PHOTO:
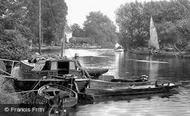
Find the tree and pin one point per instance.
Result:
(131, 23)
(12, 30)
(12, 46)
(100, 28)
(77, 31)
(53, 19)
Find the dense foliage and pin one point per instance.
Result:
(97, 29)
(13, 46)
(53, 19)
(19, 24)
(100, 29)
(13, 32)
(77, 31)
(171, 19)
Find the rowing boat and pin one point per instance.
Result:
(132, 90)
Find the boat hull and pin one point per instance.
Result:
(140, 90)
(34, 84)
(82, 84)
(99, 84)
(119, 50)
(56, 94)
(25, 66)
(31, 84)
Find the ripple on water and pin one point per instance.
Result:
(141, 107)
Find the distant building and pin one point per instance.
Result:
(68, 36)
(118, 46)
(10, 30)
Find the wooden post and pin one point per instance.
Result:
(40, 25)
(12, 66)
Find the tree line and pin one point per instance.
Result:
(19, 22)
(97, 29)
(19, 25)
(171, 18)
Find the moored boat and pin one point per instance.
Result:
(132, 90)
(142, 78)
(27, 66)
(118, 48)
(59, 95)
(96, 72)
(49, 70)
(101, 84)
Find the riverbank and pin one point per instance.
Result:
(161, 53)
(52, 48)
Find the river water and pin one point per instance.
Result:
(124, 65)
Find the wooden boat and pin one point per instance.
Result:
(142, 78)
(96, 72)
(59, 97)
(47, 70)
(27, 66)
(118, 48)
(131, 90)
(101, 84)
(110, 81)
(57, 94)
(153, 43)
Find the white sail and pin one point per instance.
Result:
(117, 45)
(153, 42)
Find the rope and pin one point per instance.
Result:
(9, 60)
(37, 83)
(5, 72)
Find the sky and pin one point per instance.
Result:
(79, 9)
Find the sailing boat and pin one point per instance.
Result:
(118, 48)
(153, 42)
(153, 45)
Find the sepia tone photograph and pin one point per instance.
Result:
(94, 57)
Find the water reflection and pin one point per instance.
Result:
(153, 69)
(125, 65)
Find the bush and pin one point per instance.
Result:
(13, 46)
(6, 87)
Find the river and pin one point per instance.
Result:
(124, 65)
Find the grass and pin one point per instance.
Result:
(6, 87)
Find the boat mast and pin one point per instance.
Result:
(40, 26)
(63, 42)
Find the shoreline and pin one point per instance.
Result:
(133, 51)
(160, 53)
(45, 48)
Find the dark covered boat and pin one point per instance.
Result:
(27, 66)
(29, 76)
(49, 70)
